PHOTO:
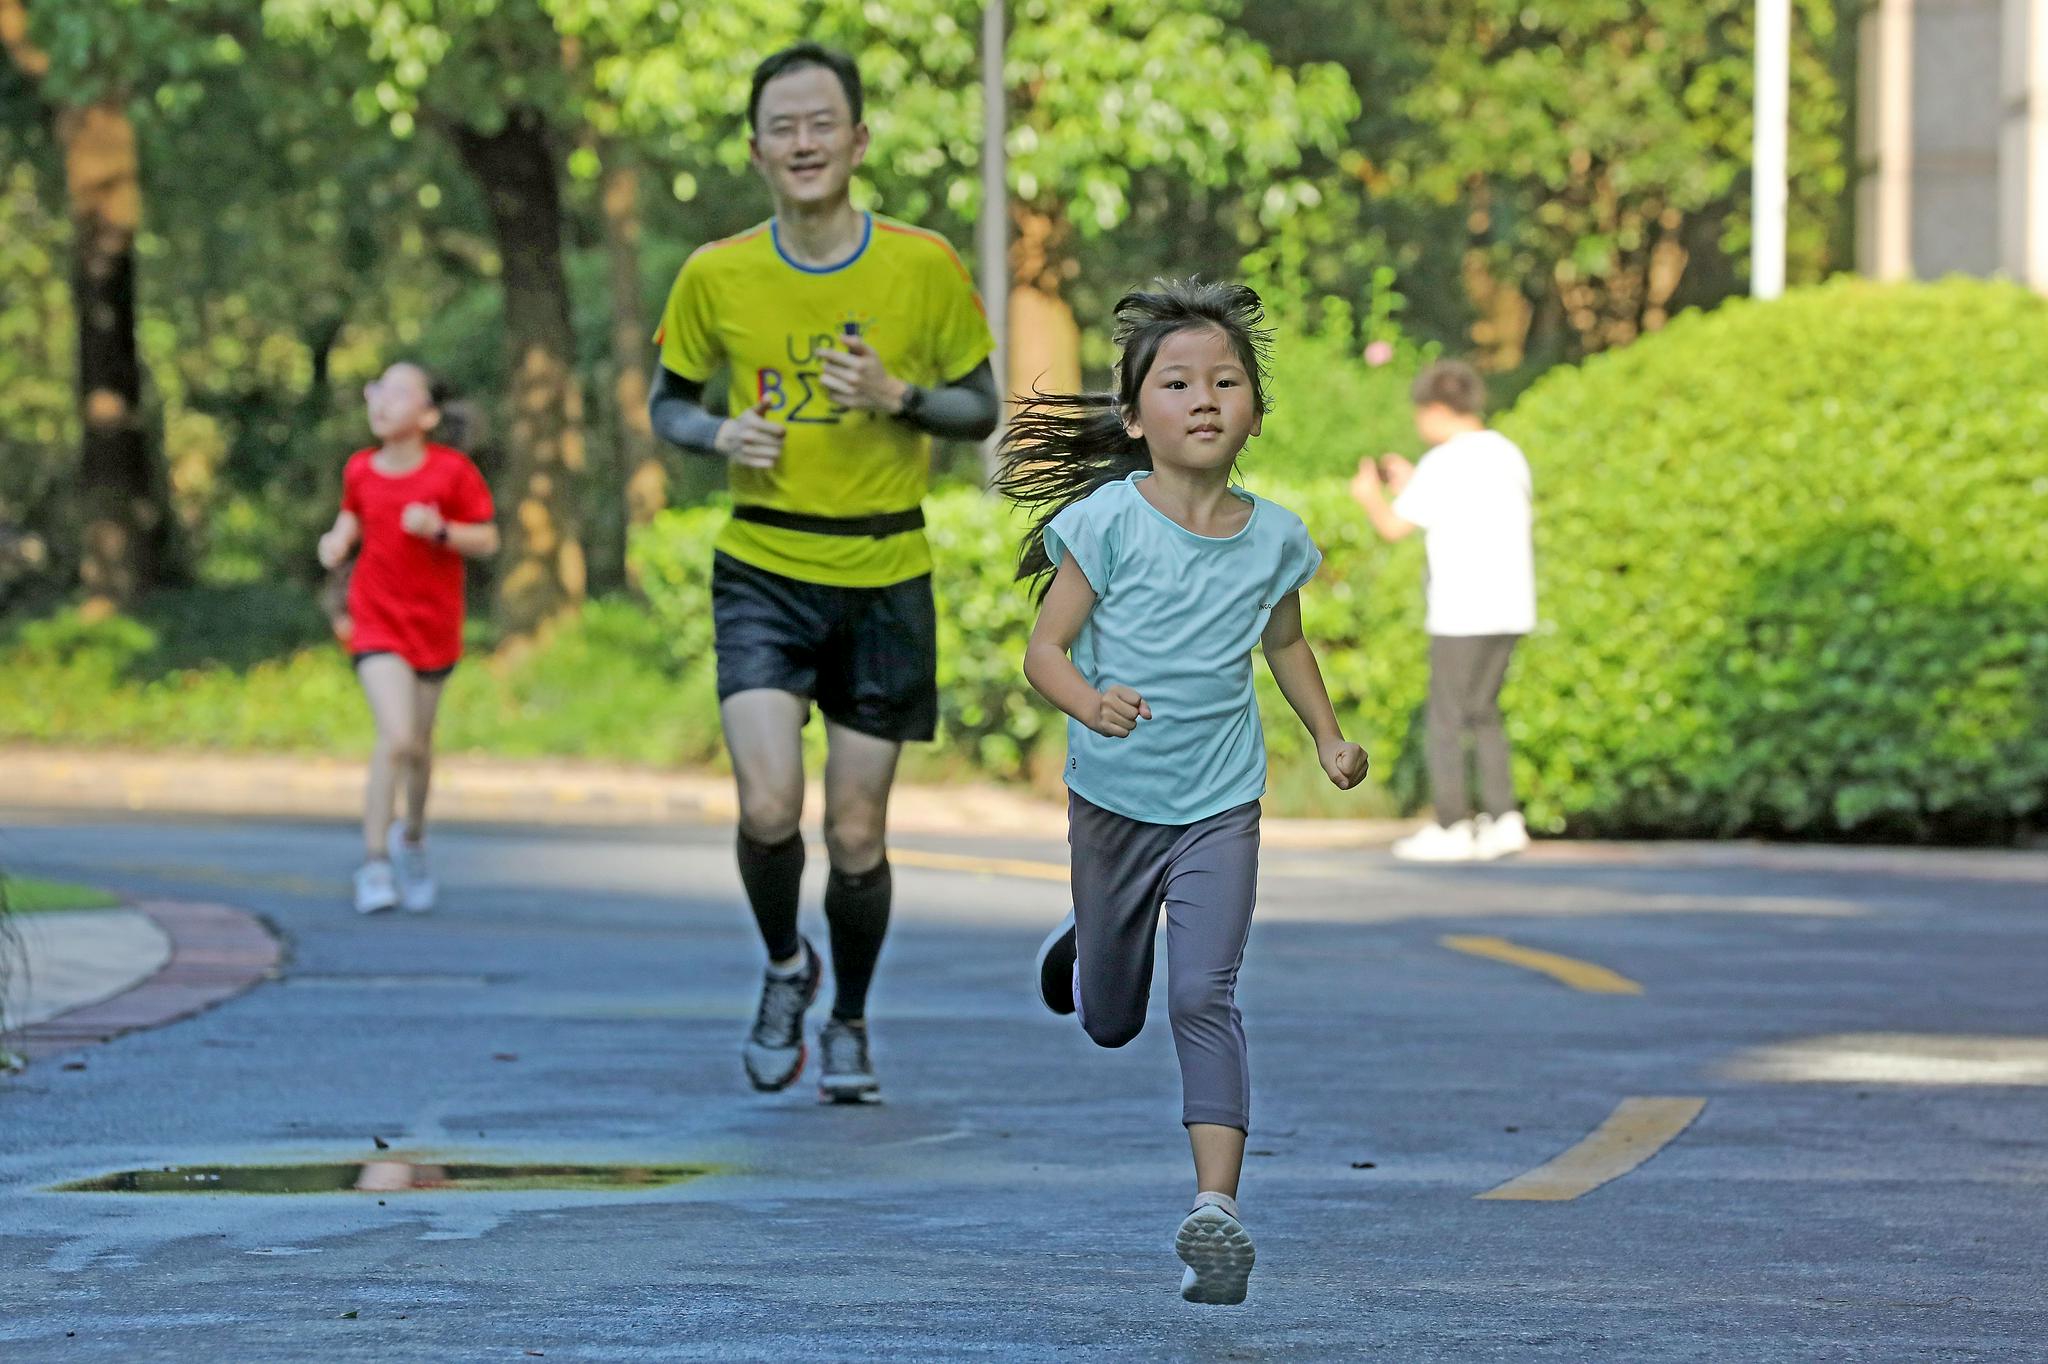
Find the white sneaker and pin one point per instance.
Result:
(416, 886)
(1217, 1251)
(1435, 843)
(376, 887)
(1501, 837)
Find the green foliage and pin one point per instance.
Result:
(1100, 95)
(1340, 381)
(1786, 567)
(1790, 570)
(36, 409)
(32, 895)
(1589, 137)
(1554, 178)
(242, 671)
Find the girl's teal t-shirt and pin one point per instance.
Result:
(1176, 618)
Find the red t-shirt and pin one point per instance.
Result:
(405, 596)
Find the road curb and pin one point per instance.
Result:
(217, 953)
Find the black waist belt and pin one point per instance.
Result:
(875, 527)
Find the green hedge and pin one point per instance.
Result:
(1792, 569)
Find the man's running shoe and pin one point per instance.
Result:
(1217, 1250)
(775, 1048)
(416, 888)
(846, 1076)
(1056, 967)
(376, 887)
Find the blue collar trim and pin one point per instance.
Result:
(867, 234)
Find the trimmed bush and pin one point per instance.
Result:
(1791, 570)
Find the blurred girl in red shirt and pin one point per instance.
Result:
(416, 510)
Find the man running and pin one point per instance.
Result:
(852, 340)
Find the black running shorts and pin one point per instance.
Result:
(869, 656)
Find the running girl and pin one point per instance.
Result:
(417, 509)
(1163, 576)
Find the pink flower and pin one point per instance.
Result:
(1379, 353)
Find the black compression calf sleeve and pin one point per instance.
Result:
(773, 874)
(857, 911)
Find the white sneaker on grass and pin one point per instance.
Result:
(1217, 1250)
(1501, 836)
(416, 888)
(376, 887)
(1436, 843)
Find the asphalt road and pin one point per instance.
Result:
(1865, 1181)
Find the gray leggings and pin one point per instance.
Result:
(1465, 675)
(1205, 875)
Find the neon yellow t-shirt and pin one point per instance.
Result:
(743, 303)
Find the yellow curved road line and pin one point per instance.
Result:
(1636, 1130)
(1580, 975)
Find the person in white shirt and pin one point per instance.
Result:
(1470, 498)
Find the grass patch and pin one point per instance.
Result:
(29, 895)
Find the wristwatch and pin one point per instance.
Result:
(913, 402)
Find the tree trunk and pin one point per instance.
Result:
(542, 573)
(1045, 341)
(124, 545)
(126, 515)
(645, 476)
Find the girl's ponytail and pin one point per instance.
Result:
(1057, 449)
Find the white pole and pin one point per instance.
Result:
(1773, 113)
(993, 233)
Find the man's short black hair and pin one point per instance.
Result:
(795, 58)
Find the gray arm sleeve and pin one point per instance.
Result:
(676, 410)
(965, 409)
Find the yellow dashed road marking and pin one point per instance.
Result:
(1636, 1130)
(1580, 975)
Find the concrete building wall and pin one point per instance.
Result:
(1953, 139)
(2023, 142)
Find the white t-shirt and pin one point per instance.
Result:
(1470, 496)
